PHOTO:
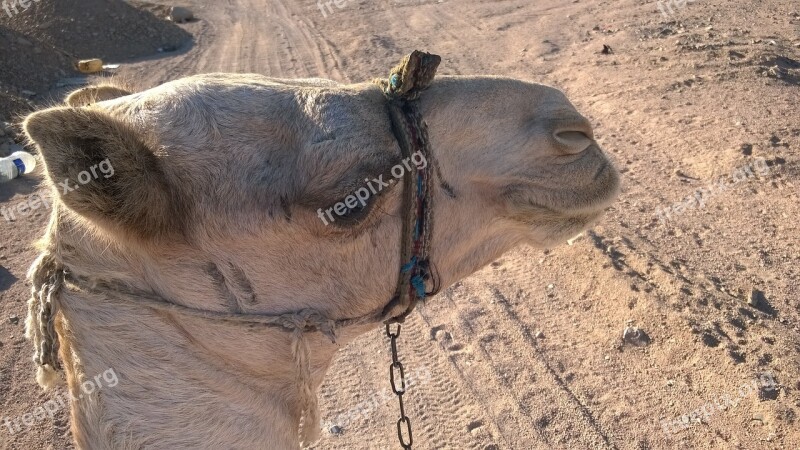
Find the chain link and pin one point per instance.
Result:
(397, 373)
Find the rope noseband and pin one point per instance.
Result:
(414, 74)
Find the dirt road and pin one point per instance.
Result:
(528, 353)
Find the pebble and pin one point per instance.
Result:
(442, 335)
(754, 299)
(635, 336)
(13, 320)
(179, 14)
(539, 335)
(336, 430)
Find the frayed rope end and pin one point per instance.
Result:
(47, 377)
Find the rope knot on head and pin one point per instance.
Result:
(412, 76)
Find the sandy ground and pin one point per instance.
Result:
(528, 353)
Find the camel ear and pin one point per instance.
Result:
(104, 171)
(93, 94)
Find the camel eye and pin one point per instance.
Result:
(353, 213)
(354, 208)
(346, 214)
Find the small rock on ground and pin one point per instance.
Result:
(634, 336)
(179, 14)
(755, 298)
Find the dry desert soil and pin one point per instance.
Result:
(528, 353)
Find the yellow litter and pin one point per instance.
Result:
(90, 65)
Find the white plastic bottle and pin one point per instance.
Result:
(18, 163)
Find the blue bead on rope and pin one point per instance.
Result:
(395, 81)
(419, 285)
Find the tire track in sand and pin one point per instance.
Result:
(443, 412)
(536, 408)
(310, 54)
(447, 415)
(569, 404)
(274, 38)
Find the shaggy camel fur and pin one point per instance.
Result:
(213, 205)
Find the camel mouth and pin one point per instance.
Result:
(567, 201)
(583, 187)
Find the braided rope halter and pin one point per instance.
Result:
(413, 75)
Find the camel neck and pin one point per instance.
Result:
(182, 368)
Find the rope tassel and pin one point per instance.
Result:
(309, 423)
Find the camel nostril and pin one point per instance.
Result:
(574, 142)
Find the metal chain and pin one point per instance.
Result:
(398, 366)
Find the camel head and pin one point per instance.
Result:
(249, 194)
(252, 176)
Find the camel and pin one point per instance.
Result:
(218, 180)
